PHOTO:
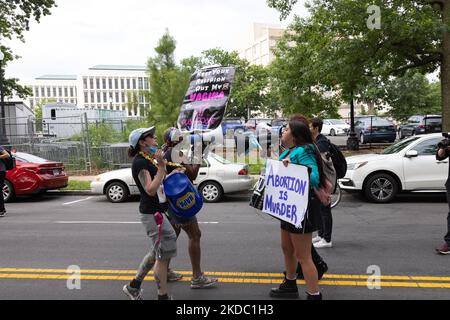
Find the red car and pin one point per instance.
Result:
(33, 175)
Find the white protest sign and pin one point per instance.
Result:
(287, 192)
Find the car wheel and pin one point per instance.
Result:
(381, 188)
(211, 192)
(332, 133)
(117, 192)
(8, 191)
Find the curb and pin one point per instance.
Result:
(72, 193)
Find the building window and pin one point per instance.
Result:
(91, 83)
(86, 95)
(116, 83)
(128, 84)
(146, 86)
(85, 83)
(123, 97)
(71, 92)
(66, 92)
(97, 80)
(99, 97)
(92, 97)
(117, 97)
(134, 84)
(110, 82)
(140, 84)
(43, 92)
(104, 83)
(36, 91)
(105, 99)
(59, 92)
(54, 92)
(122, 84)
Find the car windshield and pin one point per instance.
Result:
(25, 157)
(233, 121)
(219, 158)
(399, 146)
(337, 121)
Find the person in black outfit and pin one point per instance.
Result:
(323, 240)
(442, 154)
(3, 155)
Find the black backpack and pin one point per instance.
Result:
(10, 163)
(339, 161)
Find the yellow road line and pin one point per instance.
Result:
(23, 276)
(227, 274)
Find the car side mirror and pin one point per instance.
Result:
(411, 154)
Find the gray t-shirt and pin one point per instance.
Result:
(2, 165)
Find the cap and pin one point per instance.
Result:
(139, 134)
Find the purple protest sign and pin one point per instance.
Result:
(206, 99)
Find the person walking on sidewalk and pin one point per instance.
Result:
(323, 239)
(297, 243)
(3, 155)
(442, 154)
(149, 170)
(188, 225)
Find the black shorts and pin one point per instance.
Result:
(311, 222)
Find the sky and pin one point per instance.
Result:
(82, 33)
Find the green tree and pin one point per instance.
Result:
(168, 85)
(413, 35)
(15, 18)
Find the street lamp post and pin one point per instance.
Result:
(3, 140)
(352, 142)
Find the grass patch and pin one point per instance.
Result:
(78, 186)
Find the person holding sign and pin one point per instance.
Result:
(189, 225)
(297, 242)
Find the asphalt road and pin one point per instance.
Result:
(42, 237)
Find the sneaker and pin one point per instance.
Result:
(203, 282)
(132, 293)
(316, 239)
(322, 244)
(286, 290)
(2, 214)
(311, 297)
(173, 276)
(444, 249)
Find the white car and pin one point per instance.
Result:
(407, 166)
(333, 127)
(216, 177)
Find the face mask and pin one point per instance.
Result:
(151, 149)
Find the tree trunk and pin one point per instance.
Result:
(445, 68)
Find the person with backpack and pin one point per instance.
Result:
(3, 156)
(324, 237)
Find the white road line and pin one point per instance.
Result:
(73, 202)
(112, 222)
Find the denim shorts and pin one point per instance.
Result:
(166, 247)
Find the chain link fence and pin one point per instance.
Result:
(85, 146)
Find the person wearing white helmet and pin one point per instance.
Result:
(149, 171)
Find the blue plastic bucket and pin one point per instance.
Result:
(184, 199)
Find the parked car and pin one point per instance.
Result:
(375, 129)
(235, 124)
(251, 124)
(334, 127)
(216, 178)
(407, 166)
(421, 125)
(33, 175)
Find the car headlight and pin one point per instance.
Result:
(356, 166)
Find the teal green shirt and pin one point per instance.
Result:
(305, 156)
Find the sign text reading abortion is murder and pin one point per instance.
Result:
(206, 99)
(287, 192)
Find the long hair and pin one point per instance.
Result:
(303, 137)
(132, 152)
